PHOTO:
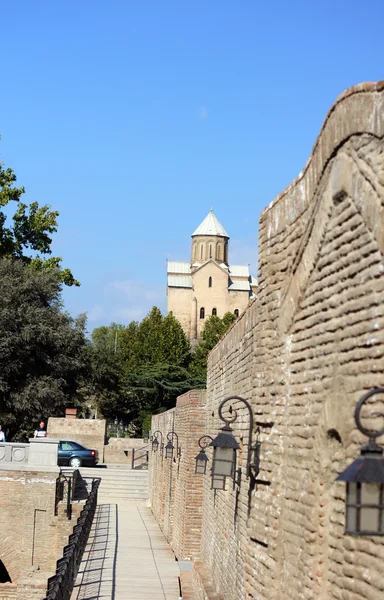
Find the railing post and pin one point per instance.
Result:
(133, 459)
(69, 503)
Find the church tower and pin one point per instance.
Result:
(209, 241)
(208, 284)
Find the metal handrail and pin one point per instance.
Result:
(60, 586)
(135, 457)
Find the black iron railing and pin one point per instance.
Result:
(64, 486)
(60, 586)
(140, 458)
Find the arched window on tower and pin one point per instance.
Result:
(214, 311)
(210, 250)
(202, 313)
(209, 281)
(236, 312)
(218, 252)
(201, 251)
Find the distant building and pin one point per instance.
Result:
(208, 285)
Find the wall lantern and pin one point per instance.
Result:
(155, 441)
(365, 481)
(225, 446)
(201, 459)
(169, 448)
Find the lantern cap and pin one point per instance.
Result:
(365, 469)
(201, 455)
(225, 439)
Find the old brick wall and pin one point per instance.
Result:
(87, 432)
(175, 491)
(30, 533)
(303, 353)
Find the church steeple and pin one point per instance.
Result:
(210, 241)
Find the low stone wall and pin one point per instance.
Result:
(32, 537)
(119, 450)
(87, 432)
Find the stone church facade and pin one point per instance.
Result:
(208, 284)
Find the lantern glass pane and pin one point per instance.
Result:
(201, 466)
(218, 482)
(168, 452)
(352, 492)
(223, 461)
(369, 519)
(351, 524)
(370, 493)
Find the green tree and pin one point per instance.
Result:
(43, 351)
(213, 331)
(154, 388)
(141, 367)
(149, 336)
(174, 345)
(28, 236)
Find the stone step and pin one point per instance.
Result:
(118, 483)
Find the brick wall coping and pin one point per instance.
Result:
(29, 468)
(321, 152)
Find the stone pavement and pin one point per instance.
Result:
(127, 557)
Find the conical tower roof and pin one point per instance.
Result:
(211, 226)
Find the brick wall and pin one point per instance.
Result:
(31, 536)
(175, 490)
(87, 432)
(303, 354)
(305, 351)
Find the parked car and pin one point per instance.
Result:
(75, 455)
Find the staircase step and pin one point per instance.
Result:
(117, 483)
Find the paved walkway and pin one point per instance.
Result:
(127, 557)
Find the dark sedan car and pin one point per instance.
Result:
(75, 455)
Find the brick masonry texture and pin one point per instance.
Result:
(303, 353)
(176, 493)
(31, 536)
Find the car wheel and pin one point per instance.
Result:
(75, 462)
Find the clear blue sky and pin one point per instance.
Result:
(132, 118)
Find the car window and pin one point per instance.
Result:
(69, 446)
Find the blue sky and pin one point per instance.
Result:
(132, 118)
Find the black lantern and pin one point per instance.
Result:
(201, 459)
(224, 453)
(169, 448)
(365, 481)
(155, 441)
(225, 446)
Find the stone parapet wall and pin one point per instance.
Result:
(305, 351)
(87, 432)
(302, 354)
(175, 490)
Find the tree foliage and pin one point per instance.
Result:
(43, 351)
(28, 234)
(142, 367)
(213, 331)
